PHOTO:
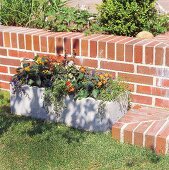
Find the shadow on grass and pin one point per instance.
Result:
(5, 109)
(39, 127)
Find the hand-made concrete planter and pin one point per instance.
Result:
(85, 114)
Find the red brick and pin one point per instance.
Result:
(116, 130)
(159, 54)
(111, 47)
(162, 103)
(11, 62)
(36, 44)
(149, 52)
(138, 54)
(138, 134)
(167, 56)
(14, 40)
(153, 91)
(129, 50)
(12, 70)
(5, 77)
(1, 39)
(120, 48)
(51, 44)
(136, 78)
(161, 141)
(13, 53)
(131, 87)
(146, 70)
(141, 99)
(7, 39)
(67, 42)
(110, 51)
(3, 52)
(162, 82)
(129, 53)
(117, 66)
(3, 69)
(75, 46)
(43, 43)
(28, 42)
(21, 40)
(59, 45)
(87, 62)
(84, 48)
(150, 135)
(128, 132)
(102, 46)
(93, 48)
(29, 55)
(4, 85)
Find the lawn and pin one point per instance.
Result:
(31, 144)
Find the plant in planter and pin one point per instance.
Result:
(74, 95)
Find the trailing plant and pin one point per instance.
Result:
(61, 77)
(129, 17)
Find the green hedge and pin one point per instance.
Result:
(129, 17)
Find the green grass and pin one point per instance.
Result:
(36, 145)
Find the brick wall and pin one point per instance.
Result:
(143, 63)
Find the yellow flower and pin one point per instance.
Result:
(101, 76)
(27, 68)
(39, 61)
(99, 84)
(104, 81)
(45, 71)
(106, 75)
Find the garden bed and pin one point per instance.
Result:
(88, 114)
(55, 89)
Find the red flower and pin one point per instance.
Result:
(71, 89)
(68, 83)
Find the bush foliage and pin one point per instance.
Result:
(129, 17)
(48, 14)
(120, 17)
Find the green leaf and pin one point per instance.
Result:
(95, 93)
(38, 82)
(26, 65)
(81, 94)
(30, 82)
(81, 75)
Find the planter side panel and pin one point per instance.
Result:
(28, 104)
(84, 114)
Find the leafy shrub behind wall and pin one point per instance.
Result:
(48, 14)
(129, 17)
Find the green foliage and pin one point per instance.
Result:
(4, 102)
(129, 17)
(36, 74)
(113, 89)
(23, 13)
(48, 14)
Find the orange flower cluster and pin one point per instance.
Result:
(70, 87)
(103, 78)
(53, 60)
(82, 69)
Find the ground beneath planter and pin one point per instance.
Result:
(143, 126)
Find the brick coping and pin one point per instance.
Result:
(145, 127)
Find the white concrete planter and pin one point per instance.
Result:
(84, 114)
